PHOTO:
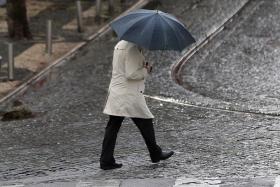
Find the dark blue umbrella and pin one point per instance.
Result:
(153, 29)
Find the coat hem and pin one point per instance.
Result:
(129, 116)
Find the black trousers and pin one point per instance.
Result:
(111, 131)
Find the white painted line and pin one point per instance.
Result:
(277, 182)
(178, 102)
(15, 185)
(192, 182)
(99, 183)
(174, 101)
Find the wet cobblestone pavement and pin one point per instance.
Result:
(63, 143)
(240, 66)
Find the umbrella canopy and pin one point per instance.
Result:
(153, 29)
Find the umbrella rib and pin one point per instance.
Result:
(120, 20)
(183, 27)
(178, 31)
(165, 36)
(172, 18)
(152, 33)
(134, 25)
(172, 29)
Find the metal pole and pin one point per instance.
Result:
(79, 16)
(98, 11)
(11, 62)
(111, 7)
(49, 37)
(0, 63)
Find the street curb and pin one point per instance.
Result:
(70, 54)
(147, 182)
(268, 181)
(177, 67)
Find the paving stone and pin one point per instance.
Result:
(64, 142)
(192, 182)
(147, 182)
(240, 65)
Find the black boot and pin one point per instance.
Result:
(162, 156)
(110, 166)
(146, 128)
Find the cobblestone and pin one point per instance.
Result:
(240, 65)
(63, 144)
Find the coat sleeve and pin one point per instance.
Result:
(134, 69)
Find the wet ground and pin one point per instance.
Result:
(240, 66)
(64, 142)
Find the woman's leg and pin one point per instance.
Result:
(109, 142)
(146, 128)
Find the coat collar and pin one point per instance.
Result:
(122, 45)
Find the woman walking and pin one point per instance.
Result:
(126, 99)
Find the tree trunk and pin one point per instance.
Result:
(18, 27)
(123, 4)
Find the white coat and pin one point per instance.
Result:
(125, 93)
